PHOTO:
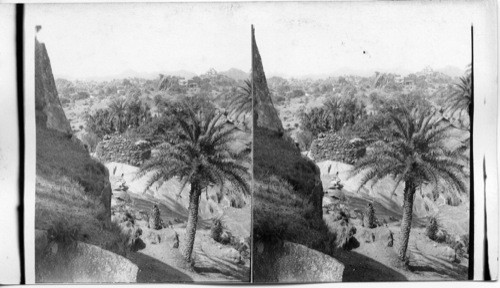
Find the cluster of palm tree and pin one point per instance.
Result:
(336, 113)
(201, 158)
(118, 117)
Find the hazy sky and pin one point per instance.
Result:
(94, 40)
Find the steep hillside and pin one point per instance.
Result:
(288, 195)
(73, 193)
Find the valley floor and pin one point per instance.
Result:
(374, 261)
(161, 263)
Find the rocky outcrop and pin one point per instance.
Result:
(47, 104)
(120, 149)
(336, 148)
(294, 263)
(265, 115)
(212, 203)
(83, 263)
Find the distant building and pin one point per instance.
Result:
(182, 81)
(399, 79)
(409, 84)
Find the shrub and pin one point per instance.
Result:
(369, 217)
(120, 240)
(305, 138)
(64, 101)
(465, 239)
(432, 228)
(279, 100)
(442, 237)
(155, 219)
(91, 140)
(344, 235)
(237, 201)
(216, 229)
(296, 93)
(459, 248)
(61, 233)
(82, 95)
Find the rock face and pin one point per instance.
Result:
(230, 254)
(336, 148)
(119, 149)
(292, 263)
(317, 193)
(265, 115)
(84, 263)
(47, 104)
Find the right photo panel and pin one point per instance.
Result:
(362, 142)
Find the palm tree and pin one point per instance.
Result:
(460, 100)
(242, 102)
(133, 109)
(201, 158)
(413, 152)
(118, 112)
(333, 115)
(461, 97)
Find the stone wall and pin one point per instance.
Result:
(120, 149)
(294, 263)
(336, 148)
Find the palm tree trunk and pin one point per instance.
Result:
(404, 235)
(194, 200)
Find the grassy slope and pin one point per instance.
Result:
(70, 186)
(284, 183)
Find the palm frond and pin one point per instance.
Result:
(202, 157)
(413, 152)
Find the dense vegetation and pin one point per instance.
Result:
(186, 122)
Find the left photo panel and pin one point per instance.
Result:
(143, 120)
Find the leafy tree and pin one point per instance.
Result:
(201, 158)
(413, 153)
